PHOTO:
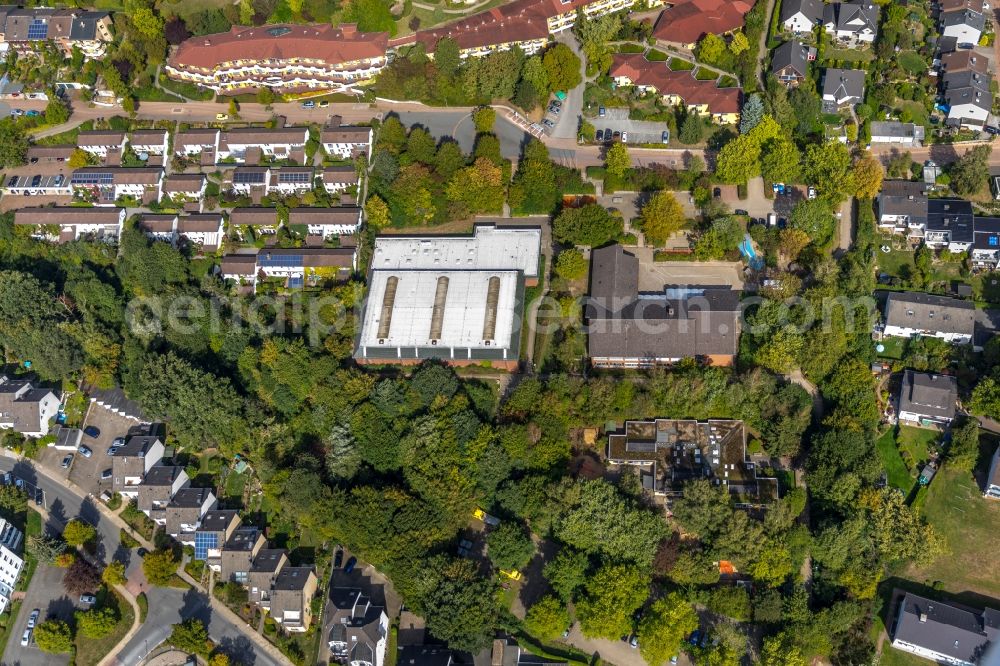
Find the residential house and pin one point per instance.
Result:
(25, 29)
(26, 409)
(949, 224)
(963, 60)
(105, 185)
(338, 179)
(360, 628)
(238, 553)
(927, 399)
(701, 97)
(790, 62)
(240, 269)
(250, 180)
(10, 562)
(345, 141)
(202, 229)
(283, 57)
(263, 571)
(185, 186)
(151, 142)
(59, 153)
(158, 226)
(131, 461)
(256, 219)
(629, 329)
(185, 511)
(908, 314)
(298, 265)
(942, 632)
(326, 223)
(687, 21)
(965, 25)
(425, 655)
(194, 141)
(102, 143)
(280, 143)
(968, 98)
(215, 529)
(985, 251)
(69, 223)
(56, 185)
(842, 87)
(992, 485)
(291, 180)
(801, 16)
(291, 598)
(667, 453)
(910, 135)
(851, 22)
(157, 488)
(902, 207)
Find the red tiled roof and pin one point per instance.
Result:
(683, 84)
(688, 20)
(520, 20)
(281, 42)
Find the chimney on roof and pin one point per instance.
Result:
(349, 29)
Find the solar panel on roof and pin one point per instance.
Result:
(91, 178)
(39, 29)
(294, 177)
(248, 177)
(202, 542)
(280, 260)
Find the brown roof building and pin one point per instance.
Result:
(26, 409)
(157, 488)
(291, 597)
(629, 330)
(185, 510)
(686, 21)
(723, 104)
(255, 216)
(283, 56)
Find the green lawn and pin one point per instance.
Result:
(912, 62)
(896, 262)
(680, 65)
(705, 75)
(916, 441)
(90, 651)
(235, 484)
(969, 525)
(847, 55)
(893, 657)
(893, 348)
(895, 469)
(991, 287)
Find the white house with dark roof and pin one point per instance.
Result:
(327, 222)
(279, 143)
(102, 142)
(345, 141)
(851, 22)
(909, 314)
(842, 87)
(11, 563)
(801, 16)
(193, 141)
(26, 409)
(965, 25)
(340, 178)
(359, 628)
(151, 141)
(943, 632)
(927, 399)
(903, 134)
(204, 229)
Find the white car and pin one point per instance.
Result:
(33, 618)
(624, 137)
(26, 638)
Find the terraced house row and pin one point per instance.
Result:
(24, 29)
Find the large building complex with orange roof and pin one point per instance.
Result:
(283, 57)
(702, 97)
(687, 21)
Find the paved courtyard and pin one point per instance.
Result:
(639, 131)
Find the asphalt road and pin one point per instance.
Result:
(569, 118)
(46, 594)
(168, 606)
(458, 125)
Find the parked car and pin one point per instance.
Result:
(88, 599)
(351, 563)
(617, 135)
(338, 559)
(634, 641)
(6, 478)
(26, 638)
(665, 136)
(599, 136)
(32, 113)
(33, 618)
(556, 103)
(324, 103)
(84, 451)
(141, 552)
(39, 497)
(67, 461)
(106, 474)
(601, 112)
(548, 122)
(118, 441)
(717, 192)
(222, 116)
(309, 104)
(92, 431)
(811, 192)
(740, 211)
(624, 137)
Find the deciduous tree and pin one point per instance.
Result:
(661, 217)
(159, 566)
(377, 212)
(613, 594)
(588, 225)
(617, 160)
(664, 626)
(191, 635)
(562, 67)
(78, 533)
(963, 451)
(510, 546)
(868, 176)
(547, 618)
(570, 264)
(81, 578)
(53, 636)
(96, 622)
(114, 574)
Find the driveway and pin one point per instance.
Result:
(63, 504)
(46, 594)
(86, 472)
(639, 131)
(169, 606)
(569, 119)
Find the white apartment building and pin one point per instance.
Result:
(68, 223)
(327, 222)
(102, 142)
(276, 143)
(339, 179)
(151, 142)
(345, 141)
(194, 141)
(10, 562)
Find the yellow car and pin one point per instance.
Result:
(222, 116)
(478, 514)
(513, 575)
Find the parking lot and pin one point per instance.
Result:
(46, 594)
(637, 131)
(86, 472)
